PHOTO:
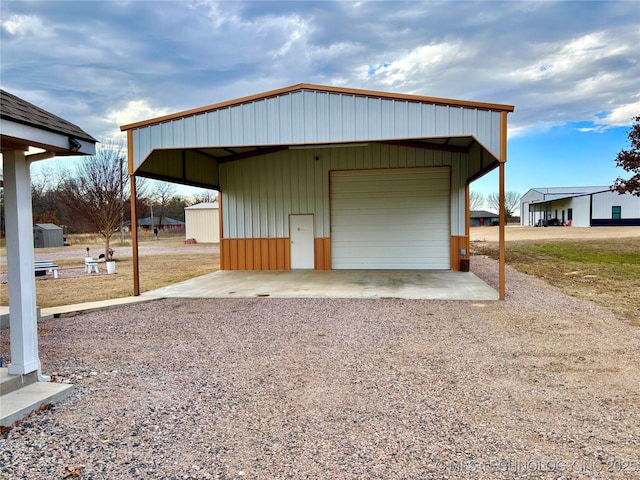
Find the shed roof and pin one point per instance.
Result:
(48, 226)
(203, 206)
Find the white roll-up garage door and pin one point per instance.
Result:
(390, 219)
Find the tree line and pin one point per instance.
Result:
(477, 201)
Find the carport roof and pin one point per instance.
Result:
(189, 146)
(320, 88)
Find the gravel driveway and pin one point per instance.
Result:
(539, 386)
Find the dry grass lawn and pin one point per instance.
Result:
(168, 261)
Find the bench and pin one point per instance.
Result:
(45, 266)
(91, 264)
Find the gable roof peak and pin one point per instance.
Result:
(323, 89)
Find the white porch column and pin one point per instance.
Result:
(22, 285)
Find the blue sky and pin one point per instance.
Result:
(572, 69)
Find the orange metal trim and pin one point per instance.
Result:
(457, 242)
(501, 233)
(134, 235)
(467, 211)
(264, 253)
(322, 247)
(321, 88)
(242, 254)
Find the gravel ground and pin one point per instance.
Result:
(541, 385)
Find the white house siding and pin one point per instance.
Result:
(309, 116)
(526, 215)
(581, 211)
(202, 224)
(260, 193)
(604, 201)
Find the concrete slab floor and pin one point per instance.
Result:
(407, 284)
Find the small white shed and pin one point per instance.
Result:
(202, 222)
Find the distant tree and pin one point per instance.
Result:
(45, 200)
(629, 160)
(97, 191)
(205, 196)
(511, 203)
(161, 195)
(175, 208)
(476, 201)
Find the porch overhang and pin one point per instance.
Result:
(199, 166)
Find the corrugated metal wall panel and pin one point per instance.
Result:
(337, 119)
(294, 182)
(386, 114)
(189, 125)
(323, 115)
(347, 113)
(414, 119)
(284, 121)
(310, 113)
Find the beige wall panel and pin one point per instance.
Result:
(261, 192)
(203, 225)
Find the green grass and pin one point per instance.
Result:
(582, 252)
(606, 272)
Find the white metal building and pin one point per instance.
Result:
(331, 178)
(203, 222)
(579, 207)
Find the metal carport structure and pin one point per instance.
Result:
(243, 147)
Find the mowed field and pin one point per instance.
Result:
(601, 264)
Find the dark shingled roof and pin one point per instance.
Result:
(482, 214)
(20, 111)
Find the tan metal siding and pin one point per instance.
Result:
(261, 192)
(203, 225)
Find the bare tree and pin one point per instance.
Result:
(96, 192)
(511, 203)
(476, 201)
(161, 195)
(205, 196)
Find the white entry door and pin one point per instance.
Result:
(301, 237)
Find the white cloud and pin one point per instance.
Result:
(133, 111)
(422, 60)
(22, 25)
